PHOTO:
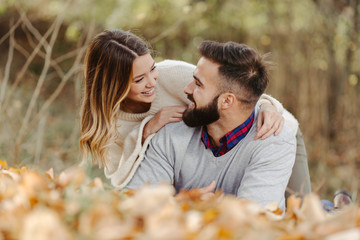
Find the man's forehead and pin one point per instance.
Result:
(206, 70)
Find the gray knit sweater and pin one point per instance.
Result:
(127, 152)
(255, 170)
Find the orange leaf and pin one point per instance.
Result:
(3, 164)
(293, 202)
(209, 215)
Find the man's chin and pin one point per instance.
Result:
(191, 124)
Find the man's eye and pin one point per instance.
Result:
(197, 84)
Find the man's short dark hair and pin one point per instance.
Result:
(243, 70)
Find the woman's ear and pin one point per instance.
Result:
(226, 100)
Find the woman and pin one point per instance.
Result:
(127, 98)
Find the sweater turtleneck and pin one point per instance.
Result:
(154, 108)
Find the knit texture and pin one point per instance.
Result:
(125, 155)
(257, 170)
(127, 152)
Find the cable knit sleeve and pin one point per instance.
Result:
(268, 99)
(173, 77)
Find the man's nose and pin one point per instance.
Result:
(189, 88)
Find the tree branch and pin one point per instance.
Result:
(7, 67)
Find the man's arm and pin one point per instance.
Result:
(269, 170)
(157, 165)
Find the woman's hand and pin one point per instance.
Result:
(269, 121)
(207, 192)
(164, 116)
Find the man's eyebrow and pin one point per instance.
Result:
(197, 79)
(152, 66)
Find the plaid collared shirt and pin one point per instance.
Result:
(230, 139)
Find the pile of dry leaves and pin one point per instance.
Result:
(39, 205)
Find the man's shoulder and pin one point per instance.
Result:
(287, 134)
(176, 134)
(284, 139)
(178, 129)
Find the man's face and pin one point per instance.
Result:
(203, 94)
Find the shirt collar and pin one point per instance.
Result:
(230, 139)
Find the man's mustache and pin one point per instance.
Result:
(190, 97)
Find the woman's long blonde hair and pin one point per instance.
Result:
(108, 73)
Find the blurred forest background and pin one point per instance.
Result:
(315, 44)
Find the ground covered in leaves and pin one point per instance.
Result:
(41, 205)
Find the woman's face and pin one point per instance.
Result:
(142, 90)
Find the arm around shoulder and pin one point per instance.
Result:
(265, 98)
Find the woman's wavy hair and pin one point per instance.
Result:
(108, 73)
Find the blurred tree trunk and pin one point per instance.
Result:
(338, 75)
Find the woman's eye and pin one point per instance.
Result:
(153, 68)
(138, 80)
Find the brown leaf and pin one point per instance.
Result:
(311, 209)
(50, 173)
(44, 224)
(293, 204)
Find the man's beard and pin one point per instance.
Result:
(197, 117)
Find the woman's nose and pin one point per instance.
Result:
(151, 82)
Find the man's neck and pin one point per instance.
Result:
(225, 124)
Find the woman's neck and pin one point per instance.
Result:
(131, 106)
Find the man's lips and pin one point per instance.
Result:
(192, 104)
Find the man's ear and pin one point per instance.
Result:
(226, 100)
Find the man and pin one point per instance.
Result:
(218, 142)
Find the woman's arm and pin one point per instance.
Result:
(164, 116)
(173, 77)
(270, 120)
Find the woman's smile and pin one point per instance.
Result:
(149, 93)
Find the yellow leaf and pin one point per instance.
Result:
(291, 236)
(3, 164)
(209, 215)
(225, 233)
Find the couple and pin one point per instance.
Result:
(128, 99)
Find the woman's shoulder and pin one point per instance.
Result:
(174, 76)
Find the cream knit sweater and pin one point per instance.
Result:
(125, 155)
